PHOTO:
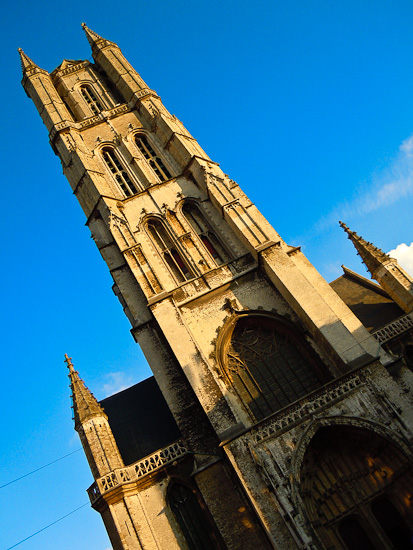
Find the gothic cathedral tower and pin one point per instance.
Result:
(288, 425)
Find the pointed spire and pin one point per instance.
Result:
(85, 404)
(92, 36)
(371, 256)
(26, 61)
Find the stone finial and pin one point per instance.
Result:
(25, 60)
(85, 405)
(68, 361)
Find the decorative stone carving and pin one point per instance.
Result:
(393, 329)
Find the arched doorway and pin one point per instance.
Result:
(357, 488)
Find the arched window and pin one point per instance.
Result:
(191, 518)
(169, 252)
(204, 232)
(268, 365)
(153, 159)
(119, 173)
(90, 97)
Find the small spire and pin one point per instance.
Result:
(85, 405)
(92, 36)
(25, 60)
(371, 256)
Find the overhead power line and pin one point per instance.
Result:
(47, 526)
(37, 469)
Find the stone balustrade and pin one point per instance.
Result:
(136, 471)
(400, 325)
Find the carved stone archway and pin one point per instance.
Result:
(356, 488)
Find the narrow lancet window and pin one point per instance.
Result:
(169, 251)
(119, 173)
(204, 232)
(155, 162)
(90, 97)
(191, 518)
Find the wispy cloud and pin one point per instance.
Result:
(404, 256)
(392, 184)
(115, 382)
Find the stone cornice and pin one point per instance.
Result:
(58, 73)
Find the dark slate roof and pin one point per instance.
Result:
(366, 299)
(140, 420)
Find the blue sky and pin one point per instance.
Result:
(306, 104)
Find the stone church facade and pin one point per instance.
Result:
(280, 412)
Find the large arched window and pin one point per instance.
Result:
(155, 162)
(89, 96)
(169, 251)
(118, 171)
(202, 228)
(268, 364)
(191, 518)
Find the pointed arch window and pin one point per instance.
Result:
(90, 97)
(268, 365)
(202, 228)
(155, 162)
(191, 518)
(169, 251)
(119, 173)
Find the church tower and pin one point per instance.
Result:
(290, 423)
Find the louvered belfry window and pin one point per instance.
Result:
(118, 171)
(90, 97)
(169, 251)
(266, 366)
(205, 233)
(154, 161)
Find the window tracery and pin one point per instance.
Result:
(268, 365)
(91, 99)
(169, 251)
(153, 159)
(203, 229)
(119, 173)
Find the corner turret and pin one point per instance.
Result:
(93, 428)
(385, 270)
(109, 57)
(38, 85)
(85, 405)
(26, 62)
